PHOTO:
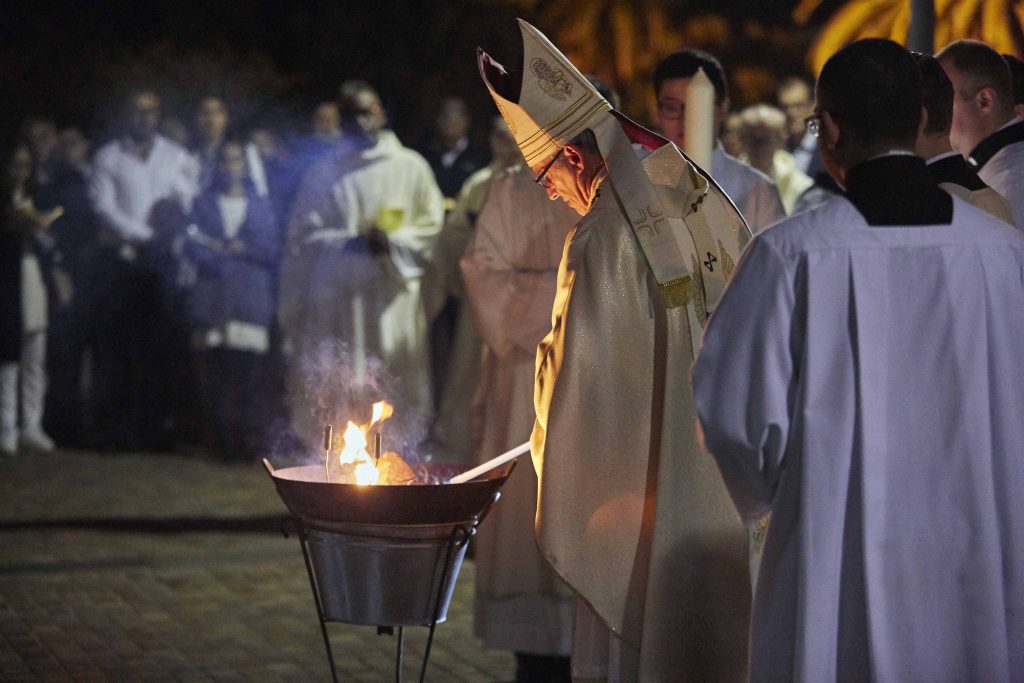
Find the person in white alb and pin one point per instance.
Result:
(986, 128)
(141, 187)
(862, 380)
(362, 228)
(510, 269)
(753, 193)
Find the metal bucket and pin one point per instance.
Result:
(386, 555)
(387, 575)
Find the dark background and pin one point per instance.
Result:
(274, 59)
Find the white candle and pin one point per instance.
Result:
(700, 119)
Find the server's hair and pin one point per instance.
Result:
(981, 66)
(872, 89)
(937, 94)
(684, 64)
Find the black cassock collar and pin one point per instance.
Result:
(955, 169)
(897, 189)
(991, 145)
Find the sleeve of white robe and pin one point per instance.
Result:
(412, 243)
(511, 299)
(744, 378)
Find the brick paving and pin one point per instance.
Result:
(164, 568)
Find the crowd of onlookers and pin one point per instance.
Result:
(168, 285)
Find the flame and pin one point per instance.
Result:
(382, 410)
(356, 440)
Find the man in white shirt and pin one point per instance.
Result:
(753, 193)
(986, 129)
(140, 188)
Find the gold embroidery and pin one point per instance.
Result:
(760, 532)
(699, 305)
(727, 263)
(677, 293)
(552, 81)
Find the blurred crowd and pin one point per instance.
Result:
(164, 288)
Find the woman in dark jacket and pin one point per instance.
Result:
(233, 243)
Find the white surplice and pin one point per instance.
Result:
(753, 193)
(326, 272)
(509, 269)
(1004, 173)
(864, 384)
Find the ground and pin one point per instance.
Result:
(171, 568)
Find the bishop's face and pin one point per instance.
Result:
(565, 176)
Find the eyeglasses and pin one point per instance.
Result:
(540, 178)
(813, 125)
(670, 109)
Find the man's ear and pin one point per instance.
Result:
(573, 157)
(985, 99)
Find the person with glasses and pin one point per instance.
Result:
(861, 381)
(986, 129)
(753, 193)
(630, 513)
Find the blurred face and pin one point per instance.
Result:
(503, 146)
(363, 114)
(796, 103)
(232, 163)
(144, 116)
(327, 120)
(212, 119)
(760, 141)
(19, 169)
(452, 121)
(42, 139)
(74, 148)
(266, 142)
(672, 110)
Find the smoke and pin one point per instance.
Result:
(333, 394)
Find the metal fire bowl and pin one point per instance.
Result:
(314, 500)
(386, 555)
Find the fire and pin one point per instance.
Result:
(356, 446)
(355, 453)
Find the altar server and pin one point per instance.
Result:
(862, 379)
(986, 129)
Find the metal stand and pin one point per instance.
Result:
(461, 534)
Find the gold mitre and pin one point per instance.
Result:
(547, 102)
